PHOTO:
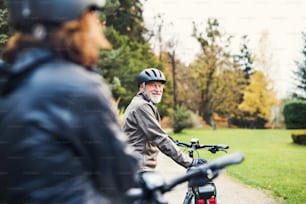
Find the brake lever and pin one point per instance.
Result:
(223, 150)
(213, 150)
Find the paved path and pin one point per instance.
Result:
(229, 192)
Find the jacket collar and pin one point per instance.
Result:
(25, 62)
(28, 58)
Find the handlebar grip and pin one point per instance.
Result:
(230, 159)
(183, 144)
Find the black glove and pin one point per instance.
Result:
(197, 181)
(197, 162)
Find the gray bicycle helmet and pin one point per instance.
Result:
(151, 74)
(23, 14)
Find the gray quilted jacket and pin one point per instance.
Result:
(141, 123)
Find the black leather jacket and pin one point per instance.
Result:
(60, 141)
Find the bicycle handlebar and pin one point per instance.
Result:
(212, 167)
(194, 145)
(154, 185)
(198, 146)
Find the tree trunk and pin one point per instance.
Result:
(173, 64)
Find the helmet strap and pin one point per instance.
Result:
(145, 97)
(142, 91)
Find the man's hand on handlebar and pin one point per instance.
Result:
(197, 162)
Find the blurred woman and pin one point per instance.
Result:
(59, 141)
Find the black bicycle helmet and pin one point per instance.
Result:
(151, 74)
(23, 14)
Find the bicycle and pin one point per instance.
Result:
(203, 190)
(153, 185)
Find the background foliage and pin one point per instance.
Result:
(5, 31)
(300, 74)
(294, 113)
(218, 82)
(181, 119)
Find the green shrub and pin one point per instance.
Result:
(299, 137)
(294, 114)
(181, 119)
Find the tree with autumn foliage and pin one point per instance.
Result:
(258, 100)
(214, 76)
(204, 69)
(227, 94)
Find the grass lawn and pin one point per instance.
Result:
(272, 161)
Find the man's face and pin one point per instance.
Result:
(154, 90)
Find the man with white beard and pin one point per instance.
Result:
(141, 123)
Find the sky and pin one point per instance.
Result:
(283, 21)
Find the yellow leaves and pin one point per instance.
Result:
(258, 98)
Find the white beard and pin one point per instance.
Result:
(155, 99)
(152, 97)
